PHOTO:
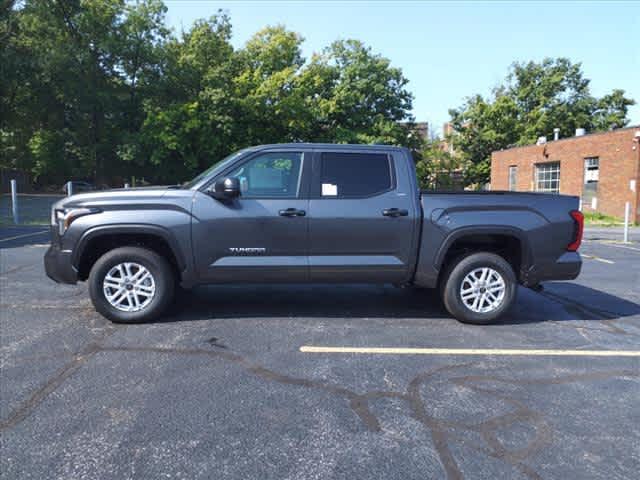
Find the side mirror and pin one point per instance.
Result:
(225, 189)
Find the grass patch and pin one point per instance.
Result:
(601, 220)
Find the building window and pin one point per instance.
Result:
(548, 177)
(591, 177)
(513, 177)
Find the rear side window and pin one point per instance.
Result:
(354, 174)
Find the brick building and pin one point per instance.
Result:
(419, 129)
(447, 133)
(603, 169)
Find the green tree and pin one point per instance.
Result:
(535, 99)
(436, 168)
(218, 100)
(188, 125)
(17, 69)
(270, 103)
(76, 75)
(103, 89)
(356, 96)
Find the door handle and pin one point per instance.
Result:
(292, 212)
(395, 212)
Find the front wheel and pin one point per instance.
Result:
(131, 284)
(479, 288)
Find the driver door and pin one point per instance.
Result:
(261, 236)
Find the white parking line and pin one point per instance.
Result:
(22, 236)
(614, 243)
(617, 245)
(471, 351)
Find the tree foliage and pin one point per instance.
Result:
(534, 99)
(437, 168)
(102, 89)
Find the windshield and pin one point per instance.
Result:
(213, 169)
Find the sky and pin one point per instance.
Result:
(451, 50)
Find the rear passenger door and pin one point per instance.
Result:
(362, 217)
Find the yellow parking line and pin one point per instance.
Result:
(470, 351)
(598, 259)
(22, 236)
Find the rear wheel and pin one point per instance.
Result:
(479, 288)
(131, 284)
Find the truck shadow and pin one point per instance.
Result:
(322, 300)
(579, 302)
(560, 301)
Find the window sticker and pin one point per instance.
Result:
(329, 190)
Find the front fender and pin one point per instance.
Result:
(128, 228)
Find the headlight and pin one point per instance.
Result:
(63, 217)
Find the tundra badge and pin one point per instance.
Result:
(247, 249)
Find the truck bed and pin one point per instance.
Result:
(540, 223)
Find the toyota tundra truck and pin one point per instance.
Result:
(312, 213)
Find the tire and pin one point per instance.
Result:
(147, 299)
(492, 302)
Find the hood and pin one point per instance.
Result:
(120, 196)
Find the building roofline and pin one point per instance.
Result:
(631, 127)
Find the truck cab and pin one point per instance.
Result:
(309, 214)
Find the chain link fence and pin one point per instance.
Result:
(33, 209)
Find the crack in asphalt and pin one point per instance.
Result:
(23, 306)
(443, 432)
(79, 358)
(18, 269)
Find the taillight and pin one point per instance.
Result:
(578, 218)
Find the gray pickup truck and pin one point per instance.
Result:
(312, 213)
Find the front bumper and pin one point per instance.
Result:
(58, 266)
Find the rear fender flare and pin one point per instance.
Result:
(487, 230)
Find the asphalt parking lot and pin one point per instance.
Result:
(242, 382)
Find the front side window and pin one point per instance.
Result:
(548, 177)
(213, 170)
(354, 174)
(271, 175)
